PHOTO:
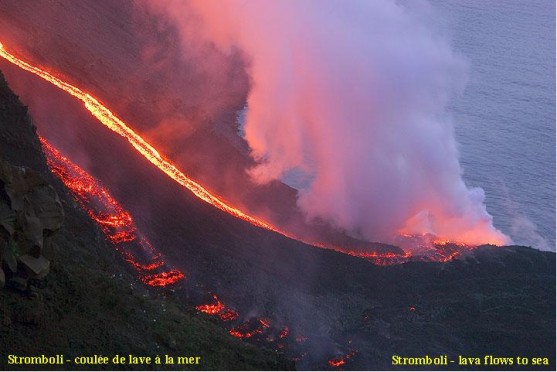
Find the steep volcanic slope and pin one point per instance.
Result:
(108, 56)
(124, 57)
(344, 306)
(338, 305)
(90, 302)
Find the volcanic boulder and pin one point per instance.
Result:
(30, 213)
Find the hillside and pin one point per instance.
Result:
(195, 127)
(91, 303)
(497, 301)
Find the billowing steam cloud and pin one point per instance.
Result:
(352, 94)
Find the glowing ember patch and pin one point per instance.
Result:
(250, 328)
(382, 259)
(342, 360)
(217, 308)
(148, 267)
(228, 315)
(337, 362)
(116, 224)
(211, 309)
(163, 279)
(238, 334)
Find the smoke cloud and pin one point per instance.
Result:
(351, 95)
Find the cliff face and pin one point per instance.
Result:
(30, 213)
(19, 143)
(89, 303)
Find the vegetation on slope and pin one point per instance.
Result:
(90, 304)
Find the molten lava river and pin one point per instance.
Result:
(115, 222)
(436, 250)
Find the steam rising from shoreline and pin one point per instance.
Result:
(353, 95)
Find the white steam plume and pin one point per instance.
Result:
(353, 94)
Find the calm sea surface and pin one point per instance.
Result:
(505, 120)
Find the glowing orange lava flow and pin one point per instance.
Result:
(115, 222)
(255, 330)
(217, 308)
(107, 118)
(342, 360)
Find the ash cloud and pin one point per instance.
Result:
(352, 95)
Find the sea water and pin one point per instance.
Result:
(505, 118)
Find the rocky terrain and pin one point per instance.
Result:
(496, 301)
(90, 303)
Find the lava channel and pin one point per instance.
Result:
(114, 221)
(107, 118)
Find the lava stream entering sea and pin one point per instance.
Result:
(106, 117)
(115, 222)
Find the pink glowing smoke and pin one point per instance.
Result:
(353, 95)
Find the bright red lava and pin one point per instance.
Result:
(337, 362)
(217, 308)
(115, 222)
(118, 227)
(260, 330)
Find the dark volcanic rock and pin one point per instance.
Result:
(494, 301)
(19, 143)
(30, 214)
(90, 303)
